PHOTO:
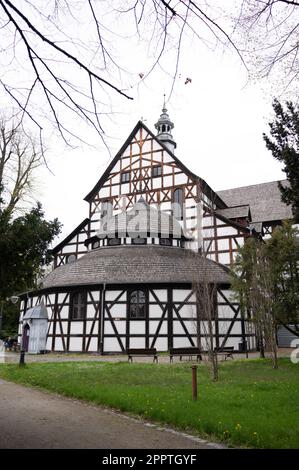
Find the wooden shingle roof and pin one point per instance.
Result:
(142, 220)
(138, 264)
(264, 200)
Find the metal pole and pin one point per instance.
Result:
(1, 314)
(194, 382)
(102, 320)
(22, 358)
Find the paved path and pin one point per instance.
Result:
(31, 419)
(11, 357)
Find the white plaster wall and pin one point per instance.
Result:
(155, 311)
(153, 325)
(75, 344)
(119, 311)
(111, 345)
(113, 294)
(93, 346)
(161, 295)
(161, 344)
(137, 342)
(137, 327)
(76, 327)
(181, 294)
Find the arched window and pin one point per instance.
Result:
(114, 241)
(106, 209)
(178, 204)
(137, 304)
(78, 306)
(139, 241)
(165, 241)
(163, 128)
(71, 258)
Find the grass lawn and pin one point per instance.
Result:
(251, 405)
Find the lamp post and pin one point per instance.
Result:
(22, 358)
(1, 314)
(14, 299)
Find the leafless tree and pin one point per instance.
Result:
(59, 61)
(19, 158)
(252, 282)
(206, 318)
(267, 36)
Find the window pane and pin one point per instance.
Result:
(78, 306)
(134, 297)
(157, 171)
(125, 177)
(165, 241)
(139, 241)
(137, 304)
(178, 204)
(113, 241)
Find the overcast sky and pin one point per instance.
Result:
(219, 120)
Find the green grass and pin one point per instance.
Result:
(251, 405)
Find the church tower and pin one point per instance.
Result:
(164, 127)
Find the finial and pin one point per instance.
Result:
(164, 104)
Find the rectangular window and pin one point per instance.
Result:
(125, 177)
(78, 306)
(139, 241)
(137, 304)
(165, 241)
(157, 171)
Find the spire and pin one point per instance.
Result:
(164, 127)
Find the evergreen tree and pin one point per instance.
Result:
(266, 282)
(284, 146)
(24, 248)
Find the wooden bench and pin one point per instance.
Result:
(142, 352)
(185, 352)
(226, 351)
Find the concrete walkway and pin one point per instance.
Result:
(11, 357)
(31, 419)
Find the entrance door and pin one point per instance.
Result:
(25, 339)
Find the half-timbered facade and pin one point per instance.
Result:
(128, 275)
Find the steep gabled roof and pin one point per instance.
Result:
(70, 236)
(205, 187)
(264, 200)
(235, 212)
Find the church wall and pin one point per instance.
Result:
(170, 321)
(73, 249)
(220, 239)
(139, 160)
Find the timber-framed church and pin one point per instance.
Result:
(129, 275)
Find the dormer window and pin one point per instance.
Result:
(113, 241)
(139, 241)
(156, 171)
(71, 258)
(165, 241)
(125, 177)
